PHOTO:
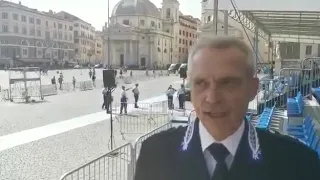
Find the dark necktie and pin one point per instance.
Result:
(219, 152)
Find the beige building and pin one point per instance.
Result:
(188, 26)
(84, 38)
(98, 54)
(34, 37)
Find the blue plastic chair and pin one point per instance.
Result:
(300, 127)
(304, 134)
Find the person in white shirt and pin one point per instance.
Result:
(170, 93)
(123, 100)
(136, 96)
(181, 96)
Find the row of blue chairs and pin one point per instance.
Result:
(265, 118)
(306, 132)
(295, 106)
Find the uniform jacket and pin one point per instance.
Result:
(283, 158)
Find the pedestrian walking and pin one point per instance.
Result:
(60, 79)
(74, 83)
(90, 73)
(181, 96)
(170, 93)
(94, 80)
(136, 96)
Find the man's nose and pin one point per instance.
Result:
(213, 95)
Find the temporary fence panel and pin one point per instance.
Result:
(86, 85)
(48, 90)
(142, 124)
(313, 65)
(141, 139)
(141, 120)
(115, 165)
(4, 95)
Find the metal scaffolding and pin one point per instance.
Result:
(288, 26)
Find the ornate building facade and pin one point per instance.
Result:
(31, 36)
(142, 35)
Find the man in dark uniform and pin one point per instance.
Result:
(220, 144)
(107, 99)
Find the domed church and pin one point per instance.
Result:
(140, 34)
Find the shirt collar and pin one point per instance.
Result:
(231, 143)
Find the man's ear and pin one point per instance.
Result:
(254, 88)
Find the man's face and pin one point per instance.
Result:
(222, 87)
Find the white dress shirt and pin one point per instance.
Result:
(123, 94)
(231, 143)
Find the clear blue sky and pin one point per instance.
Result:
(96, 11)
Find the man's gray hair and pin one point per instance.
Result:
(222, 42)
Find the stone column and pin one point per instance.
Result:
(131, 53)
(125, 52)
(113, 54)
(150, 54)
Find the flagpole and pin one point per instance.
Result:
(108, 43)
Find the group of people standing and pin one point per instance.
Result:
(108, 98)
(181, 94)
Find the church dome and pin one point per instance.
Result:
(136, 7)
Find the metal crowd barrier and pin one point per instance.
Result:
(141, 120)
(49, 90)
(86, 85)
(4, 95)
(289, 82)
(118, 164)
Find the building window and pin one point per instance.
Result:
(59, 26)
(32, 32)
(31, 20)
(168, 13)
(16, 29)
(39, 33)
(24, 52)
(15, 16)
(24, 30)
(153, 24)
(308, 50)
(39, 53)
(4, 15)
(23, 18)
(289, 50)
(47, 24)
(142, 22)
(4, 28)
(165, 51)
(38, 21)
(125, 22)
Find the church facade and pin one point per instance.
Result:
(142, 35)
